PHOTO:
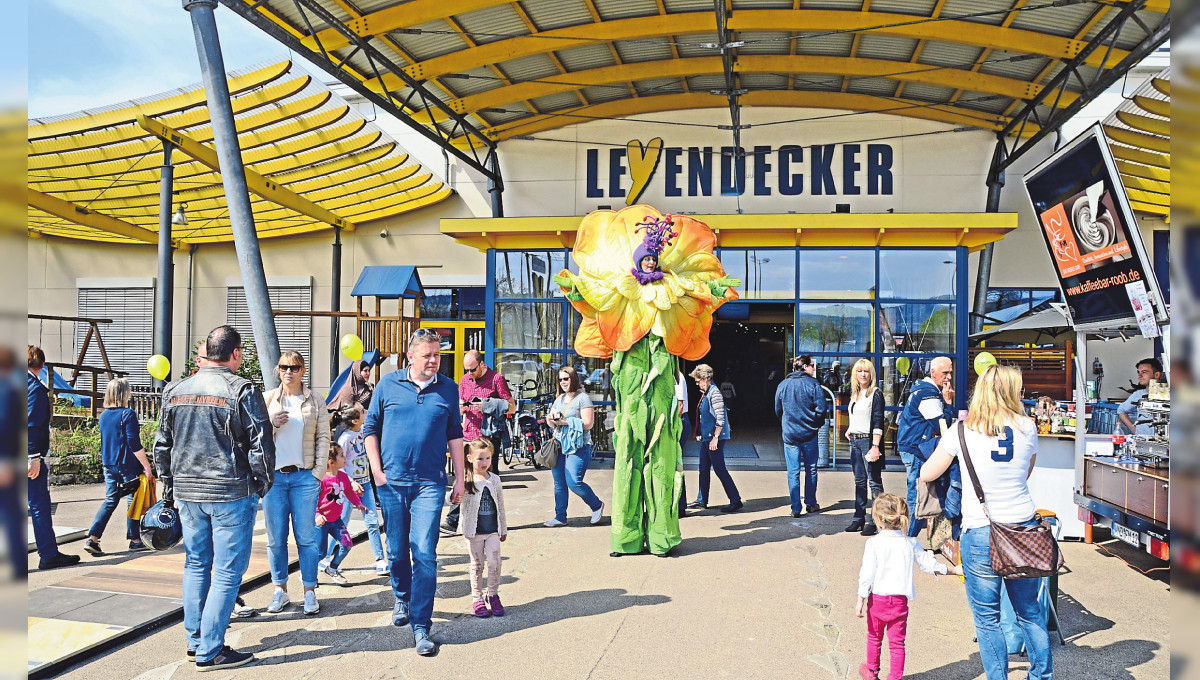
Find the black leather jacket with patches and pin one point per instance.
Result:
(214, 441)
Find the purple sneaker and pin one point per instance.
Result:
(480, 609)
(497, 608)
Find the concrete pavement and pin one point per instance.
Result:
(757, 594)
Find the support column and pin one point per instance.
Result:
(233, 177)
(496, 186)
(166, 266)
(335, 304)
(983, 275)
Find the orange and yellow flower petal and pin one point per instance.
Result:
(589, 342)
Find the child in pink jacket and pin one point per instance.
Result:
(336, 490)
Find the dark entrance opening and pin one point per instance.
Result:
(749, 357)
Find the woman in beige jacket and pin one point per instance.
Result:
(301, 426)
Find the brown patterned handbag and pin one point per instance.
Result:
(1017, 550)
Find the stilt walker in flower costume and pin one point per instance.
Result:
(647, 287)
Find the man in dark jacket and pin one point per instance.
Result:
(216, 457)
(928, 411)
(800, 403)
(39, 485)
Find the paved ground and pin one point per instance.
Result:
(757, 594)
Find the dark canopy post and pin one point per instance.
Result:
(166, 266)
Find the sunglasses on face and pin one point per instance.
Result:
(564, 380)
(290, 367)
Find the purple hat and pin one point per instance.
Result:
(657, 237)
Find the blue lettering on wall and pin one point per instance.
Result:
(879, 169)
(790, 184)
(673, 170)
(733, 171)
(822, 170)
(850, 166)
(762, 165)
(616, 168)
(593, 174)
(699, 171)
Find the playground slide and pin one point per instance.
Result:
(371, 357)
(60, 384)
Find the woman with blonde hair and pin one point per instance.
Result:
(865, 433)
(301, 430)
(1002, 446)
(124, 459)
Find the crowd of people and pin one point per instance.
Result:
(222, 445)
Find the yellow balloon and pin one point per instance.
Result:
(158, 366)
(903, 364)
(352, 346)
(982, 361)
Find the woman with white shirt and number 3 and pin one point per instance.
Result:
(1002, 445)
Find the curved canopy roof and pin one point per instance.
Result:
(1139, 134)
(312, 162)
(515, 68)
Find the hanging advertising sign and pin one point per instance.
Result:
(1092, 237)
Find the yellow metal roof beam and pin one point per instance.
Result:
(747, 63)
(1148, 142)
(1154, 126)
(1144, 171)
(257, 183)
(1158, 107)
(700, 100)
(82, 216)
(953, 31)
(407, 14)
(157, 107)
(1154, 160)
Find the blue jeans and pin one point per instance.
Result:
(714, 461)
(912, 465)
(568, 475)
(112, 497)
(412, 512)
(39, 514)
(292, 499)
(983, 594)
(802, 457)
(370, 517)
(330, 534)
(217, 539)
(865, 472)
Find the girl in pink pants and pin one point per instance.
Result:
(885, 584)
(484, 527)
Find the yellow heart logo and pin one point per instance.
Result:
(643, 161)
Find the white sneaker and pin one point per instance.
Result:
(278, 601)
(323, 564)
(598, 513)
(310, 603)
(381, 568)
(555, 522)
(335, 576)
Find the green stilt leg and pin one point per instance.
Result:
(649, 465)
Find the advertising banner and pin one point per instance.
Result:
(1091, 235)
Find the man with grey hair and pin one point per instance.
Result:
(927, 413)
(800, 405)
(411, 426)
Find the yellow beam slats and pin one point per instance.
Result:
(82, 216)
(257, 183)
(1147, 197)
(953, 31)
(1154, 126)
(195, 173)
(1150, 185)
(681, 68)
(360, 171)
(697, 100)
(1156, 160)
(247, 101)
(245, 125)
(1159, 107)
(251, 145)
(1148, 142)
(1151, 208)
(414, 201)
(1162, 85)
(407, 14)
(157, 107)
(1143, 171)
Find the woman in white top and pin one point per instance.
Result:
(865, 433)
(301, 453)
(572, 404)
(1002, 445)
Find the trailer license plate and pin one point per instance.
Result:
(1126, 534)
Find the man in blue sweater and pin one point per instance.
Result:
(800, 403)
(39, 485)
(927, 413)
(414, 421)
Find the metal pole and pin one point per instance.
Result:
(233, 177)
(495, 188)
(335, 304)
(166, 265)
(983, 276)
